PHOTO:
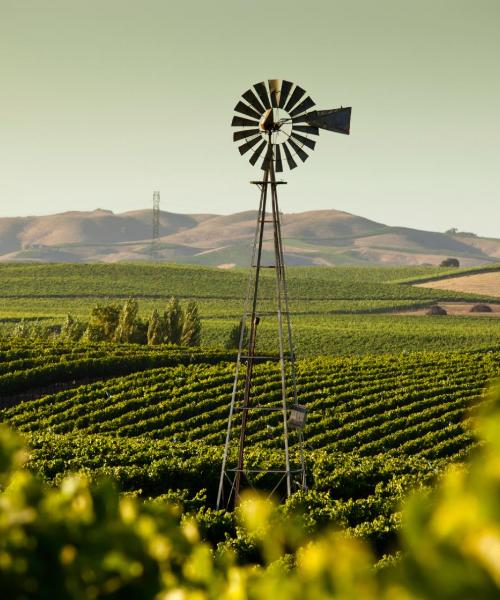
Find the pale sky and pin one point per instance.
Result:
(104, 101)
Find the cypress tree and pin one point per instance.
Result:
(173, 321)
(126, 321)
(156, 329)
(191, 326)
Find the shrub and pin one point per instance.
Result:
(450, 262)
(481, 308)
(436, 311)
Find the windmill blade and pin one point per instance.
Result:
(241, 122)
(306, 129)
(279, 162)
(250, 144)
(243, 108)
(286, 86)
(335, 119)
(252, 99)
(297, 94)
(298, 150)
(246, 133)
(303, 106)
(288, 155)
(262, 93)
(274, 91)
(258, 152)
(303, 140)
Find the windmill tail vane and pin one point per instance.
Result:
(276, 125)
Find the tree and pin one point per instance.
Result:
(33, 330)
(191, 326)
(233, 339)
(102, 323)
(22, 330)
(156, 329)
(173, 321)
(139, 332)
(450, 262)
(127, 321)
(72, 328)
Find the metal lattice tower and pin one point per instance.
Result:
(276, 127)
(155, 234)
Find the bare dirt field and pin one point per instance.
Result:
(456, 309)
(482, 283)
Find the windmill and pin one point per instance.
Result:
(276, 124)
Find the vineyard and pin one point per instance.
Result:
(345, 310)
(154, 420)
(392, 399)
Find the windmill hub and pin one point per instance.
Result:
(278, 123)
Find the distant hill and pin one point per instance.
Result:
(320, 237)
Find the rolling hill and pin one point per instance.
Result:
(321, 237)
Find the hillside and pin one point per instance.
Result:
(322, 237)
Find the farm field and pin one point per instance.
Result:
(336, 310)
(155, 422)
(391, 398)
(487, 284)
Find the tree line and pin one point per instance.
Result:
(122, 324)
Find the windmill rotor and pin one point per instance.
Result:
(278, 113)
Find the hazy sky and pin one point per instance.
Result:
(103, 101)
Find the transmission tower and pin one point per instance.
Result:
(155, 234)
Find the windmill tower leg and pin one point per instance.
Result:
(232, 478)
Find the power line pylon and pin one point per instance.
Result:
(155, 234)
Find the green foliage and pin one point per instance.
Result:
(82, 540)
(127, 321)
(174, 316)
(102, 323)
(72, 328)
(327, 303)
(163, 280)
(32, 330)
(191, 326)
(139, 334)
(156, 329)
(155, 422)
(22, 330)
(29, 367)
